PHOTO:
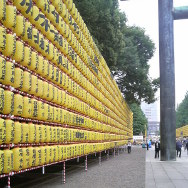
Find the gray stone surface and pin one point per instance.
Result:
(161, 174)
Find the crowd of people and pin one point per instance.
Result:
(179, 144)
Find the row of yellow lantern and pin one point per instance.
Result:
(28, 157)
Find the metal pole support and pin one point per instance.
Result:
(95, 154)
(100, 158)
(108, 153)
(118, 150)
(86, 164)
(43, 170)
(114, 152)
(63, 173)
(78, 159)
(8, 182)
(180, 13)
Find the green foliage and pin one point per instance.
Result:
(132, 70)
(102, 19)
(139, 119)
(125, 49)
(182, 112)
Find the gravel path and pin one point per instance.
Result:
(123, 171)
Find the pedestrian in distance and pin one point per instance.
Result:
(187, 146)
(184, 144)
(157, 148)
(129, 147)
(178, 147)
(148, 145)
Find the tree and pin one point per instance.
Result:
(125, 49)
(139, 119)
(182, 113)
(102, 18)
(132, 70)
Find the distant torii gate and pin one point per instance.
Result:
(167, 15)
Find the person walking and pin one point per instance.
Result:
(184, 144)
(129, 147)
(157, 148)
(178, 147)
(187, 146)
(147, 144)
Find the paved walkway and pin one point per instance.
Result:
(166, 174)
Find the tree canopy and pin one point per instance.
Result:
(182, 112)
(125, 49)
(139, 119)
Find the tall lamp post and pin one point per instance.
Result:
(167, 15)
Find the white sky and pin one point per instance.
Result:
(144, 13)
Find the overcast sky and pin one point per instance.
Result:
(144, 13)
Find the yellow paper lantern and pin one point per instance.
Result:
(8, 161)
(18, 81)
(18, 159)
(38, 133)
(10, 20)
(18, 105)
(19, 53)
(26, 155)
(34, 85)
(9, 102)
(40, 65)
(27, 108)
(1, 160)
(26, 82)
(9, 74)
(2, 39)
(32, 156)
(25, 128)
(2, 99)
(18, 138)
(27, 57)
(35, 108)
(3, 10)
(40, 88)
(48, 154)
(32, 133)
(10, 45)
(2, 131)
(44, 133)
(38, 156)
(34, 61)
(43, 155)
(20, 25)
